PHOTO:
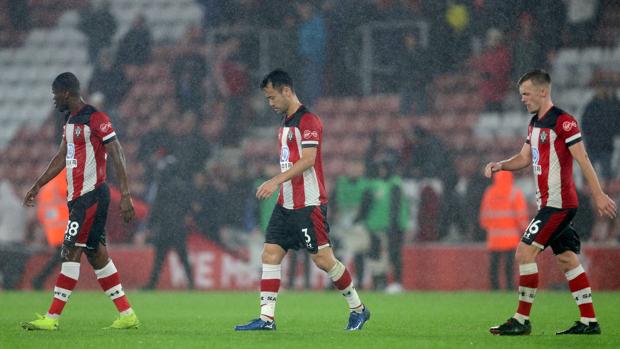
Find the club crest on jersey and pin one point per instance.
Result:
(290, 136)
(543, 137)
(78, 130)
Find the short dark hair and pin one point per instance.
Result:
(537, 76)
(278, 79)
(67, 82)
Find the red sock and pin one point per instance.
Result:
(65, 283)
(528, 285)
(110, 282)
(582, 293)
(342, 279)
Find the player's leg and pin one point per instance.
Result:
(274, 250)
(566, 247)
(81, 214)
(110, 282)
(313, 232)
(546, 225)
(105, 270)
(65, 283)
(325, 260)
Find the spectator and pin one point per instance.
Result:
(190, 70)
(135, 47)
(600, 124)
(526, 53)
(12, 236)
(99, 26)
(494, 68)
(233, 80)
(109, 78)
(312, 38)
(167, 219)
(414, 76)
(503, 214)
(19, 15)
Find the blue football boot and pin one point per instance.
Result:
(357, 320)
(257, 325)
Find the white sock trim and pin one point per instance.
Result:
(521, 318)
(573, 273)
(335, 273)
(70, 269)
(587, 320)
(106, 271)
(272, 271)
(528, 269)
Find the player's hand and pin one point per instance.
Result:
(605, 205)
(31, 195)
(266, 189)
(491, 168)
(127, 210)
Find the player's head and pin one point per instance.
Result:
(535, 89)
(278, 89)
(65, 87)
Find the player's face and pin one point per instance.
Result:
(277, 99)
(532, 96)
(60, 100)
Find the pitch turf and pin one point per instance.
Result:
(305, 320)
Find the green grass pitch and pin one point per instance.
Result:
(305, 320)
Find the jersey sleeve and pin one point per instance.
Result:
(311, 130)
(101, 126)
(530, 127)
(568, 129)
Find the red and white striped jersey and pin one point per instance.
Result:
(86, 134)
(301, 130)
(550, 137)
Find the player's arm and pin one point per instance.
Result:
(53, 169)
(115, 151)
(515, 163)
(308, 156)
(604, 204)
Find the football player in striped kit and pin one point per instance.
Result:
(88, 139)
(299, 219)
(553, 141)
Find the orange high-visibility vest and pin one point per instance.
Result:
(503, 213)
(52, 210)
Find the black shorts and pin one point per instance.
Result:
(87, 218)
(301, 228)
(552, 227)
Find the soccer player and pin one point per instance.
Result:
(553, 141)
(88, 135)
(299, 219)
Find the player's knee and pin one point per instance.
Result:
(69, 254)
(526, 254)
(269, 257)
(567, 260)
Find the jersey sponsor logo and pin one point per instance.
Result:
(70, 159)
(105, 127)
(568, 125)
(310, 134)
(285, 154)
(535, 159)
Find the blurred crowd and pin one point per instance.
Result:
(194, 177)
